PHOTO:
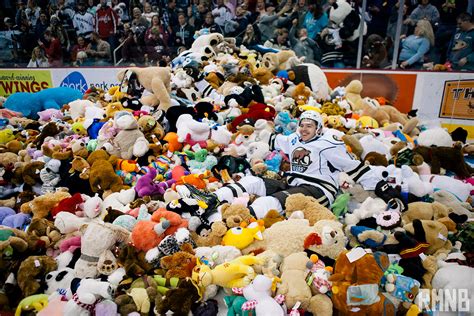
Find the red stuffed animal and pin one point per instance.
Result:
(148, 234)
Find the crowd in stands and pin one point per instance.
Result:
(40, 33)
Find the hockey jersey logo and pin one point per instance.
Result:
(301, 159)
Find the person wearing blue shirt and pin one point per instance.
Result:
(315, 21)
(415, 46)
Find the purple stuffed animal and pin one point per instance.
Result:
(6, 211)
(19, 220)
(147, 186)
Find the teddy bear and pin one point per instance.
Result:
(423, 210)
(234, 214)
(259, 292)
(102, 175)
(356, 283)
(50, 176)
(156, 80)
(133, 261)
(139, 297)
(432, 232)
(42, 205)
(31, 270)
(178, 300)
(129, 141)
(282, 60)
(295, 288)
(449, 158)
(91, 250)
(180, 264)
(312, 210)
(212, 237)
(88, 293)
(326, 238)
(150, 127)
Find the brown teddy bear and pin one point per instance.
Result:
(30, 172)
(423, 210)
(180, 264)
(150, 127)
(283, 60)
(312, 210)
(13, 146)
(102, 175)
(41, 205)
(449, 158)
(213, 237)
(139, 297)
(33, 269)
(133, 261)
(234, 214)
(56, 152)
(155, 80)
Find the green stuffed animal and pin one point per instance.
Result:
(234, 305)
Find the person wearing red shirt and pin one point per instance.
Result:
(52, 47)
(106, 22)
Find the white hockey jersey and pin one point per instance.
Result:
(83, 23)
(319, 161)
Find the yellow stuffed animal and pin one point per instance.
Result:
(6, 135)
(235, 273)
(241, 237)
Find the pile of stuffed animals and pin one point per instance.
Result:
(107, 205)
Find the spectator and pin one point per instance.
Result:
(59, 32)
(424, 11)
(139, 20)
(222, 14)
(238, 25)
(267, 21)
(156, 48)
(32, 12)
(121, 10)
(315, 21)
(83, 21)
(38, 59)
(393, 18)
(106, 21)
(304, 46)
(193, 12)
(200, 17)
(211, 25)
(448, 11)
(52, 47)
(183, 33)
(99, 49)
(81, 46)
(92, 7)
(251, 37)
(132, 49)
(170, 17)
(156, 22)
(24, 41)
(379, 11)
(20, 17)
(41, 25)
(182, 4)
(461, 49)
(280, 41)
(148, 12)
(415, 46)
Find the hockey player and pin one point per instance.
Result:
(316, 159)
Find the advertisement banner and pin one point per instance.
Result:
(396, 87)
(84, 78)
(458, 100)
(25, 80)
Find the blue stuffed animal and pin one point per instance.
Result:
(284, 124)
(29, 104)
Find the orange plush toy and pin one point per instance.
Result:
(148, 234)
(358, 283)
